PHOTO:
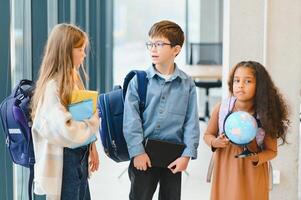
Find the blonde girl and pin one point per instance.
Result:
(62, 172)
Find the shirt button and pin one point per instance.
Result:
(163, 97)
(158, 126)
(161, 111)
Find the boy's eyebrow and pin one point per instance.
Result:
(156, 40)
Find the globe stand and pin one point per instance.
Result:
(245, 153)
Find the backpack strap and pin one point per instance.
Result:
(4, 122)
(142, 86)
(25, 91)
(224, 111)
(30, 181)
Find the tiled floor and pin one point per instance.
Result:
(110, 184)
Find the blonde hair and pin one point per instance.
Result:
(57, 63)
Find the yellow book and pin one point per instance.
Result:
(81, 95)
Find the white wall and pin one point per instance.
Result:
(283, 50)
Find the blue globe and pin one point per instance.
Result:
(240, 127)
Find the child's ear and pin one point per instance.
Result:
(177, 49)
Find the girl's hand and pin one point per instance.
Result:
(95, 118)
(93, 122)
(220, 142)
(254, 158)
(142, 162)
(93, 158)
(179, 165)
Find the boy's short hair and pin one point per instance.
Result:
(169, 30)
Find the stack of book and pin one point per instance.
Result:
(83, 106)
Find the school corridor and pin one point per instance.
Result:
(218, 35)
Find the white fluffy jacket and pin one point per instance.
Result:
(52, 130)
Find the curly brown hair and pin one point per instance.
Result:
(269, 103)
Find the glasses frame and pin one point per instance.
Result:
(157, 45)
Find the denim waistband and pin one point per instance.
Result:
(80, 152)
(85, 147)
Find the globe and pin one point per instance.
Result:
(240, 127)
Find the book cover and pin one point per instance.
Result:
(81, 95)
(162, 153)
(83, 105)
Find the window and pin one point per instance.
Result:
(131, 26)
(20, 69)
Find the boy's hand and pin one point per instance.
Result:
(220, 142)
(142, 161)
(179, 165)
(93, 158)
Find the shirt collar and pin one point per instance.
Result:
(177, 73)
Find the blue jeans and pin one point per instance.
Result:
(75, 184)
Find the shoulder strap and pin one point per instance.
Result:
(142, 86)
(224, 111)
(25, 87)
(30, 181)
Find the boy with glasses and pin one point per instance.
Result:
(170, 115)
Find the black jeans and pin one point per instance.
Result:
(75, 174)
(144, 183)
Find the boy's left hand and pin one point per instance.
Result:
(179, 165)
(93, 158)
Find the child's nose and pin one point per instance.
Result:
(153, 47)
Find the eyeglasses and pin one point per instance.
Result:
(158, 45)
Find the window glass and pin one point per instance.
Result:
(131, 26)
(20, 69)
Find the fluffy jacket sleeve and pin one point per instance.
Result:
(54, 123)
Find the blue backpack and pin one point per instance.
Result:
(16, 123)
(111, 106)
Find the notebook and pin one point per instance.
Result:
(162, 153)
(83, 105)
(81, 95)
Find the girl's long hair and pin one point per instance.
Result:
(57, 63)
(269, 102)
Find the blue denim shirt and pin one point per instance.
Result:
(170, 113)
